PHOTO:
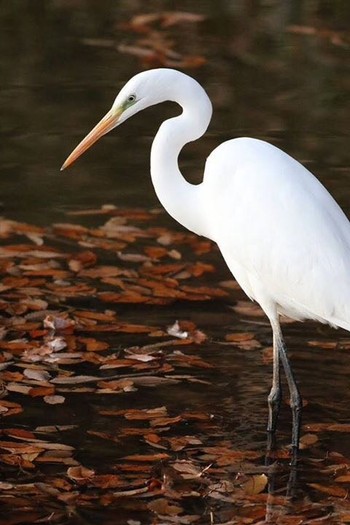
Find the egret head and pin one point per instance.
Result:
(143, 90)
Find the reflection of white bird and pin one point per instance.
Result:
(282, 235)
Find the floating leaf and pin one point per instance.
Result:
(54, 400)
(73, 380)
(330, 490)
(146, 414)
(147, 457)
(328, 427)
(181, 442)
(41, 391)
(38, 374)
(163, 507)
(308, 440)
(9, 408)
(187, 469)
(92, 345)
(80, 473)
(255, 484)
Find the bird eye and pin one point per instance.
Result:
(131, 98)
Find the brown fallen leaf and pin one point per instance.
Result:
(267, 355)
(239, 337)
(181, 442)
(17, 461)
(104, 435)
(6, 486)
(165, 421)
(247, 308)
(327, 345)
(199, 293)
(141, 23)
(61, 447)
(19, 388)
(330, 490)
(21, 448)
(9, 408)
(54, 400)
(162, 269)
(170, 18)
(343, 479)
(72, 231)
(50, 272)
(225, 456)
(328, 427)
(7, 375)
(147, 458)
(337, 38)
(18, 346)
(187, 469)
(136, 354)
(124, 297)
(255, 484)
(92, 345)
(35, 304)
(107, 316)
(163, 507)
(37, 373)
(74, 380)
(147, 413)
(103, 271)
(106, 481)
(196, 416)
(307, 440)
(41, 391)
(82, 260)
(115, 386)
(156, 252)
(130, 492)
(80, 473)
(63, 289)
(118, 328)
(112, 362)
(188, 361)
(19, 433)
(154, 440)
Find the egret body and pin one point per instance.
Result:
(282, 235)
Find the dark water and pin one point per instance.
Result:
(60, 70)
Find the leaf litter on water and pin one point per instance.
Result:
(64, 336)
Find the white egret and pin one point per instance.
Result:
(282, 235)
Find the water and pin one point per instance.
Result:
(263, 80)
(61, 69)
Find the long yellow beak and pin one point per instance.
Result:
(108, 122)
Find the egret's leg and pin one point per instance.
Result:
(295, 397)
(275, 396)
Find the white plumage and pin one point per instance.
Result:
(288, 244)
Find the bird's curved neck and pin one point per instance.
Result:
(181, 199)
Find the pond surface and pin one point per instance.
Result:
(273, 70)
